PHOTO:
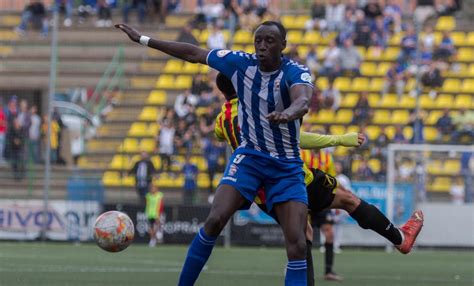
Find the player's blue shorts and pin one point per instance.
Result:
(283, 180)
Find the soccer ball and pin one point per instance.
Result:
(113, 231)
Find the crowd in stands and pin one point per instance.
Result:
(23, 136)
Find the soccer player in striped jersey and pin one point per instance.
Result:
(324, 192)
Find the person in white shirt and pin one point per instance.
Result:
(216, 39)
(457, 192)
(166, 144)
(34, 135)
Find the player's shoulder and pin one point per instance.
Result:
(292, 65)
(238, 55)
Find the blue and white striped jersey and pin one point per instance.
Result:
(261, 93)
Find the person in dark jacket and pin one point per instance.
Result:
(17, 151)
(143, 170)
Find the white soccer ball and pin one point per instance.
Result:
(113, 231)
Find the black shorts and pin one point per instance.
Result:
(320, 192)
(324, 217)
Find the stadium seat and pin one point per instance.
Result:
(360, 84)
(183, 82)
(322, 83)
(243, 37)
(458, 38)
(147, 145)
(325, 116)
(396, 39)
(362, 52)
(156, 160)
(173, 66)
(344, 116)
(410, 85)
(470, 39)
(165, 82)
(349, 100)
(445, 23)
(203, 36)
(465, 55)
(375, 165)
(288, 21)
(381, 117)
(311, 38)
(400, 117)
(391, 53)
(119, 162)
(408, 132)
(390, 131)
(430, 134)
(237, 47)
(376, 84)
(355, 166)
(433, 117)
(153, 129)
(111, 179)
(190, 68)
(463, 101)
(130, 145)
(149, 113)
(374, 99)
(342, 83)
(295, 37)
(368, 69)
(341, 152)
(337, 129)
(134, 159)
(468, 85)
(302, 51)
(138, 129)
(441, 184)
(250, 49)
(158, 97)
(452, 167)
(373, 53)
(204, 69)
(325, 39)
(452, 85)
(435, 167)
(389, 101)
(373, 132)
(407, 102)
(128, 181)
(141, 82)
(444, 101)
(427, 102)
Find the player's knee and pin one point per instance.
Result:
(349, 201)
(296, 247)
(214, 224)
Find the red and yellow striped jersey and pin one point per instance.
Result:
(322, 160)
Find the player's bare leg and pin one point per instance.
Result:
(293, 220)
(369, 217)
(328, 232)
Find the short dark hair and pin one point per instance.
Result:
(279, 25)
(225, 86)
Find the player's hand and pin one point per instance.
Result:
(133, 34)
(360, 139)
(278, 117)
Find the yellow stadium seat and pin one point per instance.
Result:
(141, 82)
(250, 49)
(390, 131)
(435, 167)
(446, 23)
(149, 114)
(376, 84)
(360, 84)
(119, 162)
(350, 99)
(452, 167)
(353, 128)
(153, 129)
(134, 159)
(342, 83)
(362, 51)
(463, 101)
(325, 39)
(148, 145)
(373, 53)
(470, 39)
(433, 117)
(344, 116)
(300, 21)
(458, 38)
(156, 160)
(190, 68)
(465, 55)
(138, 129)
(375, 165)
(196, 33)
(430, 134)
(396, 39)
(111, 179)
(311, 38)
(243, 37)
(441, 184)
(158, 97)
(381, 117)
(130, 145)
(452, 85)
(407, 102)
(325, 116)
(373, 132)
(368, 69)
(173, 66)
(382, 68)
(400, 117)
(322, 83)
(374, 99)
(444, 101)
(389, 101)
(204, 69)
(426, 102)
(203, 36)
(237, 47)
(294, 37)
(288, 21)
(391, 53)
(468, 85)
(337, 129)
(341, 152)
(302, 51)
(183, 82)
(408, 132)
(355, 165)
(165, 82)
(128, 181)
(410, 85)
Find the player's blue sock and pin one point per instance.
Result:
(296, 273)
(198, 253)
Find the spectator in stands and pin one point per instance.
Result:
(432, 79)
(143, 170)
(55, 129)
(312, 61)
(185, 103)
(293, 53)
(186, 36)
(393, 16)
(206, 125)
(362, 32)
(34, 14)
(85, 9)
(408, 44)
(395, 78)
(139, 5)
(467, 171)
(449, 7)
(34, 135)
(379, 34)
(372, 10)
(184, 136)
(446, 48)
(24, 117)
(104, 14)
(331, 65)
(318, 13)
(172, 6)
(232, 12)
(17, 151)
(56, 117)
(334, 15)
(216, 39)
(213, 151)
(424, 10)
(199, 85)
(416, 122)
(399, 137)
(348, 27)
(331, 97)
(428, 38)
(457, 191)
(379, 149)
(445, 125)
(350, 59)
(3, 131)
(11, 114)
(362, 110)
(464, 123)
(66, 6)
(190, 172)
(364, 172)
(166, 144)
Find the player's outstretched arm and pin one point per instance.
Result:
(300, 95)
(184, 51)
(318, 141)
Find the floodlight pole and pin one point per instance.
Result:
(51, 92)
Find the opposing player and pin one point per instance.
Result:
(153, 211)
(323, 190)
(273, 93)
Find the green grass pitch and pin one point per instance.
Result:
(67, 264)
